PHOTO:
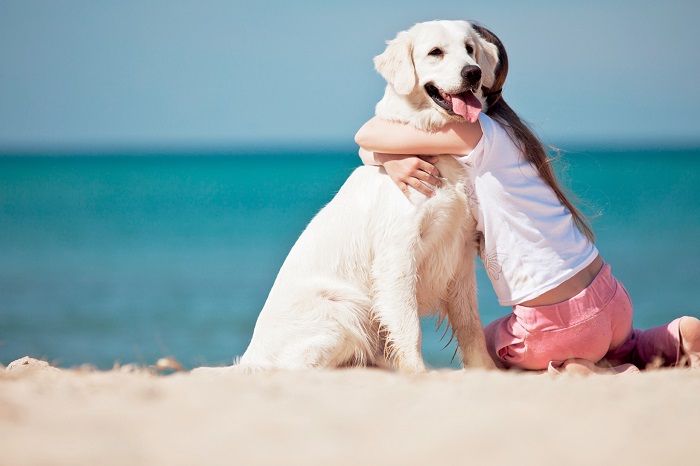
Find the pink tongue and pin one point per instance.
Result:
(466, 105)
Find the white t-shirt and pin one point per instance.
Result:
(531, 243)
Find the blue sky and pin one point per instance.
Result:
(226, 73)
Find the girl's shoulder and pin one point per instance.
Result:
(492, 129)
(496, 148)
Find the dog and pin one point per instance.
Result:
(370, 263)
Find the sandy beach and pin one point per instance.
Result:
(134, 416)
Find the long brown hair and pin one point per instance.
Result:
(523, 137)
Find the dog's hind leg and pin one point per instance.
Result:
(327, 326)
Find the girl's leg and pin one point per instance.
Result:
(689, 331)
(501, 334)
(677, 343)
(659, 341)
(583, 328)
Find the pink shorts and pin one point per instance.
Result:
(595, 324)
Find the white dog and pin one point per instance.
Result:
(370, 263)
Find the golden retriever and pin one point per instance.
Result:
(370, 263)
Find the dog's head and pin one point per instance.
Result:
(435, 72)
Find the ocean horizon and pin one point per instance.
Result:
(136, 254)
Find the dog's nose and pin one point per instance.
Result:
(472, 74)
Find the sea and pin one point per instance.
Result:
(129, 256)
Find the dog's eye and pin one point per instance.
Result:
(470, 49)
(436, 52)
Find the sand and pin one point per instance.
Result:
(130, 416)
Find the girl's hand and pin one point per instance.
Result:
(411, 170)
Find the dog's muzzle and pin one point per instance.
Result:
(472, 76)
(463, 102)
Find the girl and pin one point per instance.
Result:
(538, 249)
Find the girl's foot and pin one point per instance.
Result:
(689, 329)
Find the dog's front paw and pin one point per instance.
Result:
(413, 367)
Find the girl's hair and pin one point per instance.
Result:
(531, 147)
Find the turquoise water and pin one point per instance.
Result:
(108, 259)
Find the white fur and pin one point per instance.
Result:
(407, 67)
(370, 263)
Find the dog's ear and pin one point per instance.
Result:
(487, 58)
(395, 64)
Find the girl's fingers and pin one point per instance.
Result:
(417, 185)
(422, 187)
(422, 182)
(404, 189)
(428, 168)
(428, 165)
(427, 177)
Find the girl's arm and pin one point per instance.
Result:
(389, 144)
(385, 136)
(368, 158)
